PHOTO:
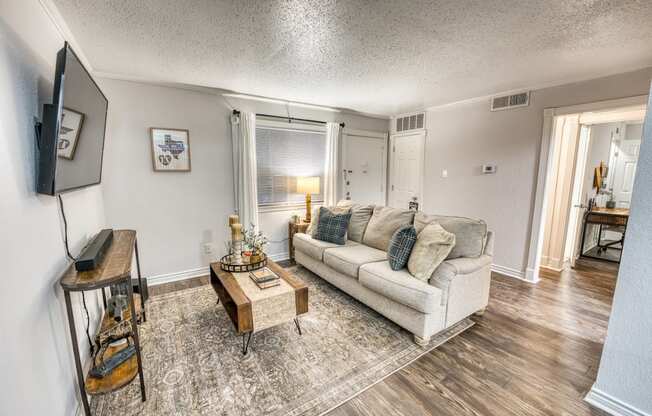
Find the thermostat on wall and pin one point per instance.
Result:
(489, 169)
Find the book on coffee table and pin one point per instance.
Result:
(264, 278)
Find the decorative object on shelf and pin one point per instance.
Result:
(599, 176)
(308, 185)
(170, 149)
(117, 307)
(265, 278)
(71, 124)
(107, 366)
(295, 219)
(227, 264)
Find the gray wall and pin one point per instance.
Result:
(37, 364)
(463, 137)
(625, 372)
(176, 213)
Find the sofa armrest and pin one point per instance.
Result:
(489, 244)
(463, 265)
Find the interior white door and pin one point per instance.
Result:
(624, 171)
(406, 169)
(578, 198)
(364, 161)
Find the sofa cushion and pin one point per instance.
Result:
(400, 247)
(313, 247)
(399, 286)
(470, 234)
(383, 224)
(332, 226)
(347, 260)
(431, 248)
(360, 216)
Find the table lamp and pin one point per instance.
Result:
(308, 185)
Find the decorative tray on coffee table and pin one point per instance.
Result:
(228, 264)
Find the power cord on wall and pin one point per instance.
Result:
(71, 257)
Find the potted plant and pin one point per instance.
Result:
(256, 241)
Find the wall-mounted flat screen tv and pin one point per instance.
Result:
(72, 132)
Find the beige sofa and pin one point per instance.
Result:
(458, 288)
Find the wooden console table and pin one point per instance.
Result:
(114, 269)
(615, 217)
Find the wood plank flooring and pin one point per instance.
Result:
(534, 352)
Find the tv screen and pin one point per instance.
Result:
(72, 133)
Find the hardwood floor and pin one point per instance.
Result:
(534, 352)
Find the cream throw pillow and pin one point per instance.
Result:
(432, 247)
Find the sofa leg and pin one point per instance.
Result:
(480, 312)
(422, 342)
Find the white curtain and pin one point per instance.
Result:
(245, 176)
(331, 169)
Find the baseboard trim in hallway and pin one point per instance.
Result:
(611, 405)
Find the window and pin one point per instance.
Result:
(282, 155)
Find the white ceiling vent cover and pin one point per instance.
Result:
(507, 102)
(408, 122)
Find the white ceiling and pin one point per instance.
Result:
(380, 57)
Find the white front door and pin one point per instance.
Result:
(624, 171)
(406, 169)
(364, 161)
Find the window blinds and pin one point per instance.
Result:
(282, 155)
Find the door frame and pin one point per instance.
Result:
(384, 136)
(422, 174)
(545, 153)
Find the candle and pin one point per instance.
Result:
(236, 232)
(233, 219)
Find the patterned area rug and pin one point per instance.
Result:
(194, 365)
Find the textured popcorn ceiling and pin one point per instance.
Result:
(380, 57)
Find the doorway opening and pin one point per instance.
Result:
(589, 173)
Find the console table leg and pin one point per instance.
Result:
(140, 283)
(75, 350)
(134, 329)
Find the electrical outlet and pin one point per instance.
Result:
(444, 173)
(208, 248)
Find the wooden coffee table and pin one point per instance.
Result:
(252, 309)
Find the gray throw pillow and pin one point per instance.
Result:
(432, 246)
(383, 224)
(400, 247)
(332, 226)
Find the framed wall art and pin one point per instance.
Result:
(170, 149)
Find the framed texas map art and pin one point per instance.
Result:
(71, 125)
(170, 149)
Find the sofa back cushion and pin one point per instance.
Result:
(470, 234)
(332, 226)
(383, 224)
(360, 216)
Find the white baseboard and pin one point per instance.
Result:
(508, 271)
(279, 256)
(611, 405)
(176, 276)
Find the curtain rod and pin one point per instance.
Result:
(289, 119)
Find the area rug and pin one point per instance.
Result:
(194, 365)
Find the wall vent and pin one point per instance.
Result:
(408, 122)
(507, 102)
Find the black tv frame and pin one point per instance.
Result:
(46, 164)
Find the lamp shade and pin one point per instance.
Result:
(308, 184)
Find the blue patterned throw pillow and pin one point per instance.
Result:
(400, 247)
(332, 226)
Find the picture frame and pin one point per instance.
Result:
(72, 121)
(170, 149)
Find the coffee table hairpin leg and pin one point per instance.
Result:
(296, 322)
(246, 338)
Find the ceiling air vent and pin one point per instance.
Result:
(410, 122)
(506, 102)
